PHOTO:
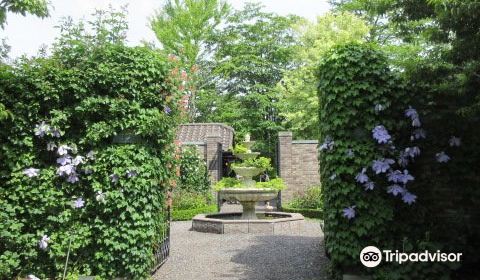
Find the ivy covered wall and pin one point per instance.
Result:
(387, 165)
(65, 183)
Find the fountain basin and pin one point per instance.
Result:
(247, 172)
(248, 197)
(248, 194)
(231, 223)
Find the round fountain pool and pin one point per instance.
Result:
(266, 222)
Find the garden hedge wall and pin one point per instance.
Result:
(64, 180)
(386, 159)
(310, 213)
(188, 214)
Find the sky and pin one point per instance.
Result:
(27, 34)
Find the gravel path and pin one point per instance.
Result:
(206, 256)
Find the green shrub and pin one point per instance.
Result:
(310, 213)
(183, 200)
(193, 171)
(311, 199)
(227, 182)
(275, 184)
(261, 162)
(85, 96)
(240, 149)
(188, 214)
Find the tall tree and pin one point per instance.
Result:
(183, 26)
(299, 102)
(251, 54)
(23, 7)
(405, 41)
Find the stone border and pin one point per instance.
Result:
(291, 223)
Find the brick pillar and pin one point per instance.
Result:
(285, 161)
(214, 157)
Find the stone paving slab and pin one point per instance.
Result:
(207, 256)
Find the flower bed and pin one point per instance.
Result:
(188, 214)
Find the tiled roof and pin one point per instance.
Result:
(198, 132)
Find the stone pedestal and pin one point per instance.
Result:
(248, 210)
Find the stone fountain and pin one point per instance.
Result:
(248, 195)
(248, 221)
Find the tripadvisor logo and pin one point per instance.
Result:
(371, 256)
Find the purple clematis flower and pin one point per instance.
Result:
(412, 152)
(114, 178)
(382, 165)
(100, 197)
(416, 122)
(91, 155)
(403, 159)
(419, 133)
(55, 132)
(78, 160)
(394, 176)
(41, 129)
(328, 144)
(362, 177)
(64, 160)
(167, 110)
(396, 189)
(408, 198)
(66, 169)
(442, 157)
(131, 173)
(78, 203)
(51, 146)
(369, 185)
(455, 141)
(31, 172)
(43, 243)
(379, 108)
(349, 212)
(380, 134)
(350, 153)
(333, 177)
(63, 150)
(413, 115)
(405, 177)
(73, 178)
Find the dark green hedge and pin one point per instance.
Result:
(84, 97)
(185, 215)
(366, 118)
(310, 213)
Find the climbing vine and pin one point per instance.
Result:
(86, 161)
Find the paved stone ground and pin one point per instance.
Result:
(207, 256)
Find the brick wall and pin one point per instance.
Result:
(297, 164)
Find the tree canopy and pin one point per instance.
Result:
(183, 26)
(299, 102)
